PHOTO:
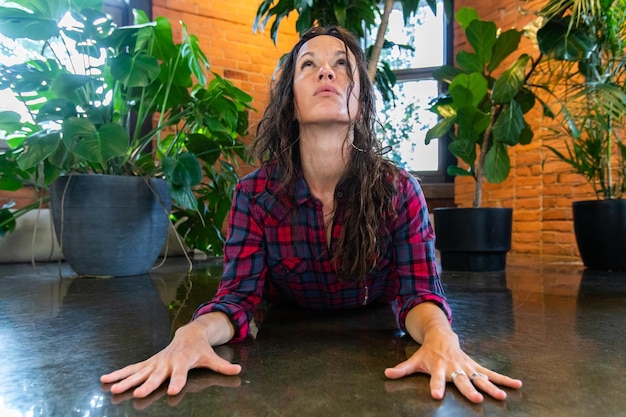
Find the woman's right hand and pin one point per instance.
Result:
(191, 347)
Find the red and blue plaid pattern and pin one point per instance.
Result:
(276, 248)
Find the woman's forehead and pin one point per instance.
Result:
(324, 44)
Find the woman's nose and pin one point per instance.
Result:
(326, 72)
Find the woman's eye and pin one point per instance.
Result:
(342, 62)
(307, 63)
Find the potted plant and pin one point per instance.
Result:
(108, 103)
(584, 42)
(483, 112)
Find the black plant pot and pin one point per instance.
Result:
(110, 225)
(473, 239)
(600, 229)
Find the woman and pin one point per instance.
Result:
(325, 223)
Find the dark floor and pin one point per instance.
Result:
(553, 324)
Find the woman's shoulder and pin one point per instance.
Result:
(261, 179)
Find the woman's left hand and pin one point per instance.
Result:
(441, 356)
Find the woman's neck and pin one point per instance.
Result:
(324, 155)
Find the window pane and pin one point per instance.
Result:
(405, 123)
(424, 32)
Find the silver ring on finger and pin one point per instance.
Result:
(475, 375)
(457, 373)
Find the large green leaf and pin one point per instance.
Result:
(469, 62)
(183, 170)
(16, 24)
(464, 16)
(509, 125)
(482, 36)
(135, 71)
(446, 73)
(505, 45)
(82, 138)
(497, 163)
(204, 148)
(454, 170)
(471, 123)
(183, 197)
(38, 147)
(439, 130)
(510, 81)
(465, 150)
(559, 40)
(196, 60)
(468, 89)
(10, 121)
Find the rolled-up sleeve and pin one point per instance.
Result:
(414, 246)
(241, 286)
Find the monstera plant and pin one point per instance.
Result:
(103, 99)
(125, 101)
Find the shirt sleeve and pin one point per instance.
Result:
(414, 244)
(241, 286)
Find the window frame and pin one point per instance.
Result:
(445, 158)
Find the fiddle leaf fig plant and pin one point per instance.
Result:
(99, 98)
(484, 107)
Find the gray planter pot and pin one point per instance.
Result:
(110, 225)
(473, 239)
(600, 229)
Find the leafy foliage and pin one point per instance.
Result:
(93, 93)
(585, 43)
(483, 112)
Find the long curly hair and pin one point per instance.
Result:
(368, 184)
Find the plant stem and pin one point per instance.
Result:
(480, 171)
(380, 40)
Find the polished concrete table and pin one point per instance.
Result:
(556, 326)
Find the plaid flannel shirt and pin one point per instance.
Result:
(277, 250)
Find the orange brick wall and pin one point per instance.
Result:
(540, 189)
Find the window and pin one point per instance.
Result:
(406, 120)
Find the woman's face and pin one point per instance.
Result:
(321, 81)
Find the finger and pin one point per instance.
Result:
(482, 382)
(121, 373)
(222, 366)
(177, 380)
(400, 370)
(465, 386)
(131, 381)
(153, 381)
(503, 380)
(438, 384)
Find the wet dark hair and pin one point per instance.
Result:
(368, 184)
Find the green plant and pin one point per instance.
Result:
(105, 99)
(484, 107)
(584, 41)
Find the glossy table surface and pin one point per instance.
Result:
(558, 327)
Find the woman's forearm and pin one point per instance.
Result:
(427, 319)
(216, 327)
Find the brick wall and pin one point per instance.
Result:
(540, 189)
